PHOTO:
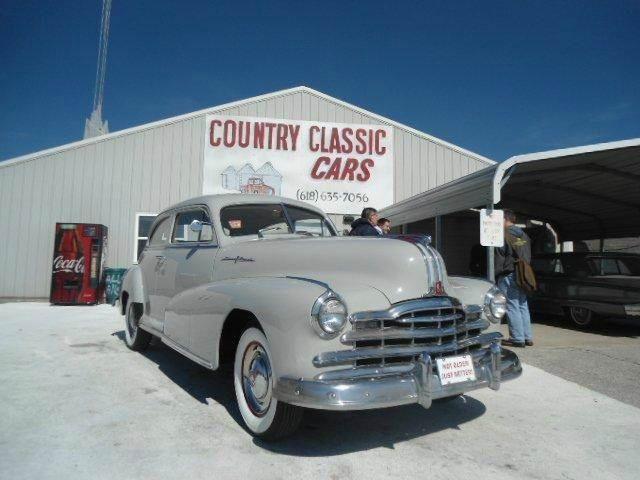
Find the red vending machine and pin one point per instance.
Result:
(78, 259)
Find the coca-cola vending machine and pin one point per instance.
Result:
(78, 259)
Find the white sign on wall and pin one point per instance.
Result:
(491, 228)
(338, 167)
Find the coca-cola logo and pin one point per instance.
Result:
(61, 264)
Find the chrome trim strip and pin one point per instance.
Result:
(409, 333)
(395, 311)
(424, 377)
(473, 309)
(366, 372)
(431, 318)
(180, 349)
(377, 371)
(309, 280)
(496, 366)
(327, 359)
(428, 260)
(191, 245)
(439, 263)
(149, 329)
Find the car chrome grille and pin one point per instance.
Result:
(439, 326)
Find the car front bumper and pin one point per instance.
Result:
(417, 384)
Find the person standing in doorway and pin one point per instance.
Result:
(365, 226)
(517, 245)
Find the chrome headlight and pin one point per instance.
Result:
(328, 315)
(495, 304)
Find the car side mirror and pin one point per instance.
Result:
(196, 226)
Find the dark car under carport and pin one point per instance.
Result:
(587, 286)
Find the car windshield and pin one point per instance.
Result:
(270, 219)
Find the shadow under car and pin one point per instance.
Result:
(322, 433)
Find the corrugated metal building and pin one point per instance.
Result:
(117, 179)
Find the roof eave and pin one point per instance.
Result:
(226, 106)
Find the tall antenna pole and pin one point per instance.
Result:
(94, 126)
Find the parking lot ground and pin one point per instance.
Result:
(77, 403)
(605, 358)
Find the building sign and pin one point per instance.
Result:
(338, 167)
(491, 228)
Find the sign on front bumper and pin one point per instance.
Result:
(455, 369)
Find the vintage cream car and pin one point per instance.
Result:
(309, 318)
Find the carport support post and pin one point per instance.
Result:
(491, 274)
(438, 234)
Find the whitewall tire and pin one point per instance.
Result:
(253, 381)
(135, 338)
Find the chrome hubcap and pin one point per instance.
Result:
(256, 378)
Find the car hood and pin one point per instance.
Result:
(395, 268)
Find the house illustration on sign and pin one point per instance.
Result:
(266, 180)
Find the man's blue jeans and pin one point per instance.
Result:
(517, 309)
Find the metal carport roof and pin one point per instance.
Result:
(584, 192)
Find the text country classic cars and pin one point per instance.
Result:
(367, 142)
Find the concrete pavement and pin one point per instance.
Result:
(605, 358)
(78, 404)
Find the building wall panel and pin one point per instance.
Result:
(11, 236)
(111, 179)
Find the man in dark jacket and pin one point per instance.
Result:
(516, 245)
(365, 225)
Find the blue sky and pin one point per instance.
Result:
(498, 78)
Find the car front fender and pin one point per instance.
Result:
(281, 305)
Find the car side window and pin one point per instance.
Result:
(308, 222)
(161, 232)
(609, 266)
(182, 228)
(629, 266)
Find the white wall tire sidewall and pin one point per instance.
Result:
(130, 340)
(255, 424)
